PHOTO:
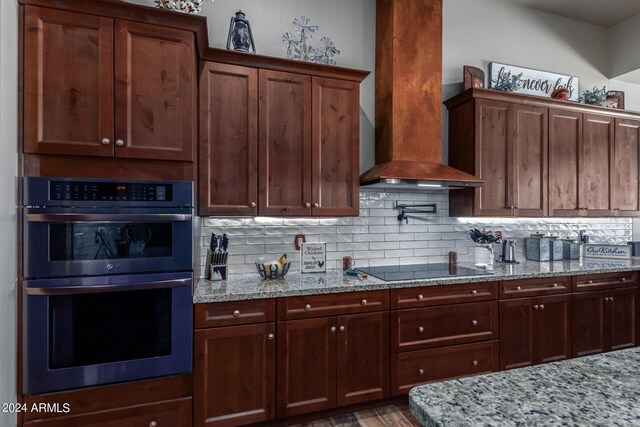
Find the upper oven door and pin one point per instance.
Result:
(61, 241)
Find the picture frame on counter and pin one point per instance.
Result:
(615, 99)
(313, 257)
(536, 82)
(592, 250)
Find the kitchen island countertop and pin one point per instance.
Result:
(239, 287)
(600, 390)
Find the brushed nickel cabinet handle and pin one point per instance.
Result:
(153, 424)
(474, 292)
(536, 307)
(518, 288)
(474, 322)
(611, 299)
(474, 363)
(541, 306)
(253, 204)
(420, 329)
(316, 205)
(236, 313)
(364, 302)
(106, 141)
(420, 371)
(342, 329)
(307, 307)
(270, 337)
(332, 329)
(590, 282)
(555, 285)
(307, 205)
(624, 279)
(119, 142)
(420, 297)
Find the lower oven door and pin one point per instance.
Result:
(89, 331)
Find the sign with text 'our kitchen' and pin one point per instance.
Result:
(536, 82)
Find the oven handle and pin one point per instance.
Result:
(74, 290)
(75, 217)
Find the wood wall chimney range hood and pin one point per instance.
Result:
(409, 100)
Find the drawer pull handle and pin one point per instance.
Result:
(363, 302)
(607, 299)
(153, 424)
(420, 371)
(474, 363)
(541, 306)
(342, 328)
(474, 292)
(420, 329)
(518, 288)
(474, 322)
(270, 337)
(590, 282)
(536, 307)
(236, 313)
(624, 279)
(555, 285)
(307, 307)
(420, 297)
(333, 329)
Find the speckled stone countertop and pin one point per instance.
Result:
(601, 390)
(250, 286)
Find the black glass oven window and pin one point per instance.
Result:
(89, 241)
(89, 329)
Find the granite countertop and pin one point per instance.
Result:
(599, 390)
(250, 286)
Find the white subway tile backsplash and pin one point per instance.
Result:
(376, 237)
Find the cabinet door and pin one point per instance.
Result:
(306, 366)
(284, 144)
(595, 169)
(552, 328)
(68, 83)
(362, 358)
(234, 375)
(228, 140)
(335, 147)
(622, 306)
(589, 333)
(626, 179)
(530, 145)
(156, 109)
(494, 158)
(565, 148)
(516, 333)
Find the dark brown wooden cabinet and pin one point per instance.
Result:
(333, 350)
(234, 363)
(604, 320)
(541, 157)
(626, 162)
(534, 330)
(510, 144)
(228, 149)
(97, 86)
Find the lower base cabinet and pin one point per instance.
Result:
(332, 361)
(172, 413)
(234, 375)
(414, 368)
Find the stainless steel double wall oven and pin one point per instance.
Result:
(107, 290)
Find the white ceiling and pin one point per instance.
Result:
(606, 13)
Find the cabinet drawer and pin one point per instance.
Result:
(596, 282)
(234, 313)
(419, 367)
(441, 295)
(446, 325)
(534, 287)
(332, 304)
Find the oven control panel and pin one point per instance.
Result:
(110, 191)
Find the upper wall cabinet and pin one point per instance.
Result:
(542, 157)
(277, 142)
(99, 86)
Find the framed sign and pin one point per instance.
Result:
(313, 257)
(607, 251)
(535, 82)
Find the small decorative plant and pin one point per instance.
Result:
(507, 82)
(595, 96)
(186, 6)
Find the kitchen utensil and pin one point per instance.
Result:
(508, 251)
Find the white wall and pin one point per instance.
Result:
(8, 173)
(624, 55)
(350, 24)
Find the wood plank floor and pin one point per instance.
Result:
(395, 415)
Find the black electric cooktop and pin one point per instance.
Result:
(421, 271)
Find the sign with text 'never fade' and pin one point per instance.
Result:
(536, 82)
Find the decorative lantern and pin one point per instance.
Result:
(240, 35)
